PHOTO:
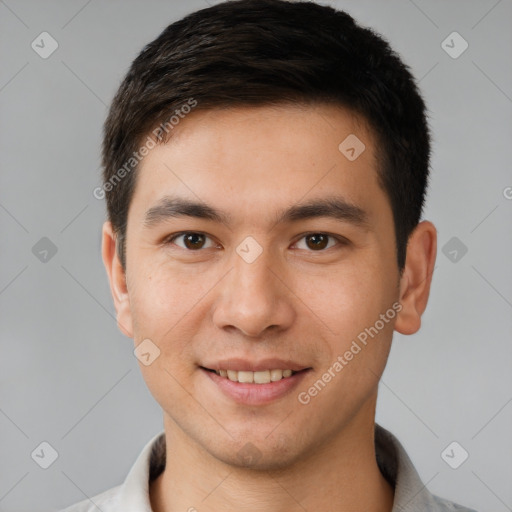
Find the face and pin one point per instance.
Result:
(287, 262)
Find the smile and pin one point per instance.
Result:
(255, 388)
(261, 377)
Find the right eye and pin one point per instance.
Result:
(192, 240)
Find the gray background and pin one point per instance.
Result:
(69, 377)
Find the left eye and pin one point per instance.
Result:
(318, 241)
(194, 241)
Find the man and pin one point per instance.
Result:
(265, 167)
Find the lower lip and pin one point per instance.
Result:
(256, 394)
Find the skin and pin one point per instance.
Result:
(295, 301)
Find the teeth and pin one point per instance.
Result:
(246, 377)
(262, 377)
(276, 375)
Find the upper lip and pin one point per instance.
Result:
(245, 365)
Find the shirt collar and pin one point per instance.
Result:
(411, 495)
(134, 492)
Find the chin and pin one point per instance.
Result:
(263, 454)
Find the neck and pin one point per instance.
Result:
(340, 474)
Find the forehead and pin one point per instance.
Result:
(257, 160)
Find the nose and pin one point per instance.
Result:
(254, 298)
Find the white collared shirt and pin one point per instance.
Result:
(133, 494)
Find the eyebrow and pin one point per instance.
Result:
(334, 207)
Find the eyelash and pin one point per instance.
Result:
(340, 241)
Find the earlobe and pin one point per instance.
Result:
(417, 277)
(117, 280)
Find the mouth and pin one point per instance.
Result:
(258, 377)
(254, 388)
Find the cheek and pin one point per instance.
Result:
(158, 306)
(160, 296)
(169, 306)
(347, 299)
(161, 304)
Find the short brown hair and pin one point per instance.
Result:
(264, 52)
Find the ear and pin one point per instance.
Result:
(117, 278)
(417, 277)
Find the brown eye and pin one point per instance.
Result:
(317, 241)
(191, 241)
